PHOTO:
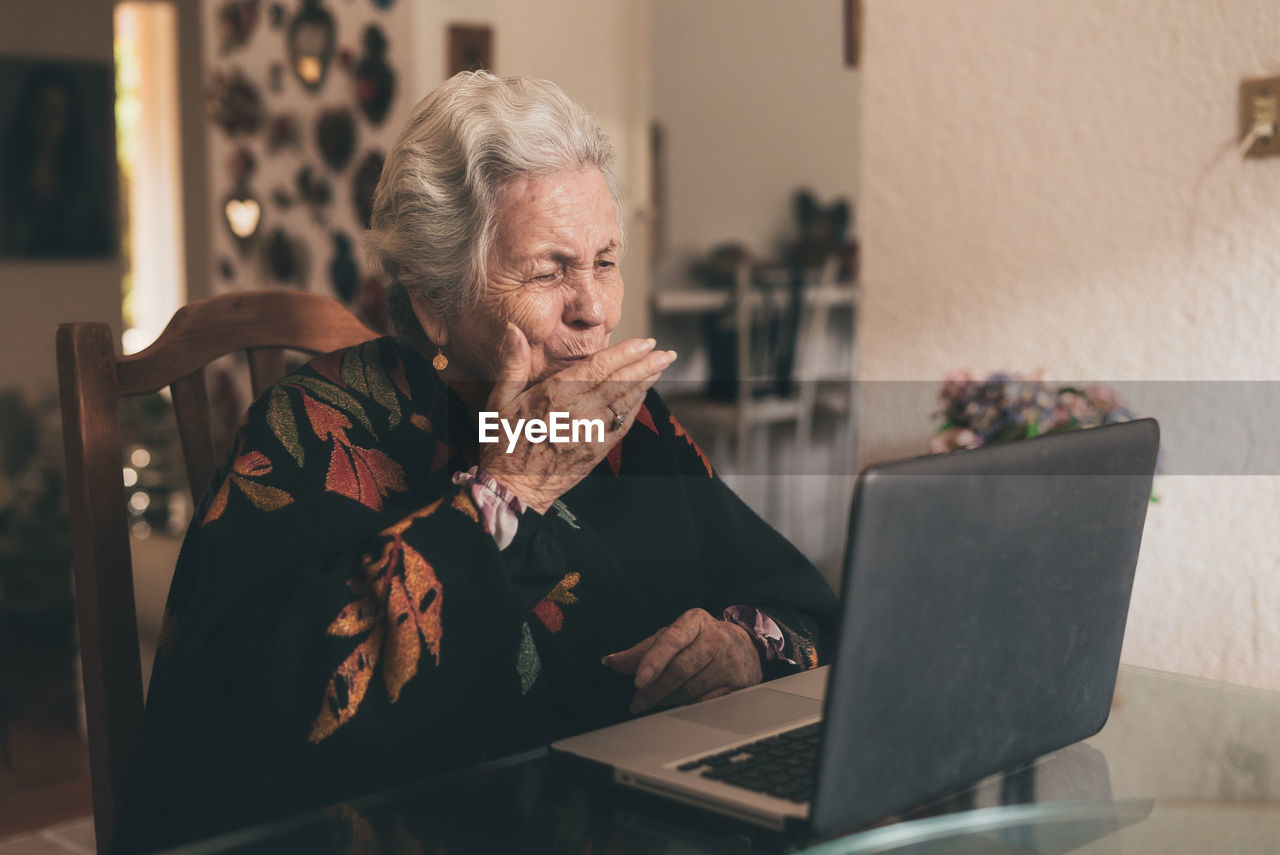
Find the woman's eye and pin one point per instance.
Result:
(604, 265)
(547, 277)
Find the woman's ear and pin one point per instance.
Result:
(431, 325)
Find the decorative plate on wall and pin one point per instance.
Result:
(314, 190)
(375, 81)
(283, 133)
(237, 19)
(283, 259)
(311, 39)
(235, 104)
(336, 137)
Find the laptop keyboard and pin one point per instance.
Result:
(781, 765)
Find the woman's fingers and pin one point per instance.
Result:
(696, 657)
(618, 366)
(695, 664)
(625, 661)
(669, 642)
(603, 363)
(513, 369)
(610, 383)
(592, 387)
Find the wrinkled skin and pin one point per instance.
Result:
(694, 659)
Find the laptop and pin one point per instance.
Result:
(984, 603)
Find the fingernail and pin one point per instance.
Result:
(644, 676)
(643, 346)
(667, 357)
(604, 660)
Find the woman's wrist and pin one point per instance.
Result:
(536, 492)
(764, 632)
(499, 506)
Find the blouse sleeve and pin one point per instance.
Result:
(750, 565)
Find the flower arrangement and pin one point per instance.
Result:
(1002, 407)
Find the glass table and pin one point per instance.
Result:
(1182, 765)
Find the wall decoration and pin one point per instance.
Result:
(283, 133)
(314, 190)
(243, 212)
(284, 259)
(365, 184)
(336, 137)
(242, 164)
(241, 209)
(375, 81)
(852, 33)
(319, 141)
(343, 273)
(57, 159)
(470, 49)
(237, 19)
(311, 43)
(235, 104)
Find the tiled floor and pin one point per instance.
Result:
(74, 837)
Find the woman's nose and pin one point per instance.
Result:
(586, 307)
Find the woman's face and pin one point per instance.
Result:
(553, 272)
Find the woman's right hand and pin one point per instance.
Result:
(617, 377)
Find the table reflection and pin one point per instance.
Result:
(1183, 765)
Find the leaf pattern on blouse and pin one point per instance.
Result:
(680, 431)
(362, 370)
(528, 663)
(398, 603)
(614, 456)
(548, 608)
(363, 474)
(246, 469)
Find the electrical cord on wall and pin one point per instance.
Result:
(1264, 128)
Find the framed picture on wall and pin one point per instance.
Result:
(852, 33)
(57, 159)
(470, 48)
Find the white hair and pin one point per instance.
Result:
(437, 206)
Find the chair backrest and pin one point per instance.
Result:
(93, 379)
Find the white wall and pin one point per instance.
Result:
(37, 295)
(754, 101)
(1053, 186)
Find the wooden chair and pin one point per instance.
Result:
(93, 379)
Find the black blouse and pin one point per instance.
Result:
(342, 621)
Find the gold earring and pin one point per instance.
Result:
(441, 362)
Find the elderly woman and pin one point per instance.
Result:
(370, 593)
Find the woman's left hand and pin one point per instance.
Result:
(693, 659)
